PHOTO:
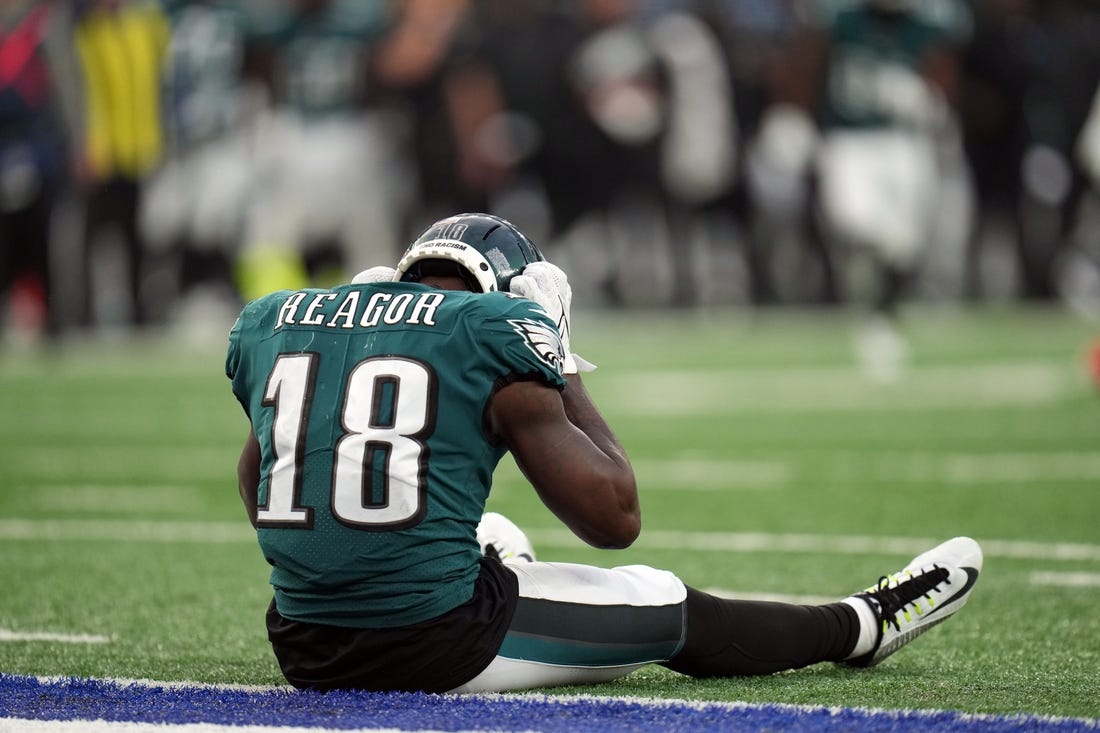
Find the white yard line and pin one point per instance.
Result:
(9, 635)
(923, 467)
(994, 470)
(826, 544)
(123, 530)
(961, 469)
(1065, 580)
(685, 472)
(1049, 578)
(139, 499)
(49, 462)
(804, 389)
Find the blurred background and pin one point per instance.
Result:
(161, 163)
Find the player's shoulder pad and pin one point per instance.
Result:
(255, 311)
(536, 329)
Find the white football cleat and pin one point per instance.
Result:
(499, 537)
(932, 587)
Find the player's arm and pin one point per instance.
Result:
(248, 475)
(570, 455)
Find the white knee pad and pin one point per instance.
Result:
(497, 535)
(632, 585)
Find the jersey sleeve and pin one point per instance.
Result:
(250, 326)
(524, 339)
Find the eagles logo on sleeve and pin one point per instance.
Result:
(543, 340)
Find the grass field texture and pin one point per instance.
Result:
(768, 467)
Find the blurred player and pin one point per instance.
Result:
(191, 205)
(315, 142)
(879, 79)
(379, 411)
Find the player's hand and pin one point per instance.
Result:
(547, 285)
(377, 274)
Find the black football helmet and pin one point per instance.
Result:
(487, 251)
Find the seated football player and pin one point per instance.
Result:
(379, 410)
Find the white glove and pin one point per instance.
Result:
(499, 537)
(547, 285)
(376, 274)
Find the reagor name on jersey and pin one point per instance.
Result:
(356, 310)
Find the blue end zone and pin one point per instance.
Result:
(85, 699)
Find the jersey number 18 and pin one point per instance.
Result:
(380, 461)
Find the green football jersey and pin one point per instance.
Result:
(875, 67)
(368, 402)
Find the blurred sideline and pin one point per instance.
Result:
(161, 163)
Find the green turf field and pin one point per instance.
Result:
(768, 467)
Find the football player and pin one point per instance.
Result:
(878, 78)
(379, 411)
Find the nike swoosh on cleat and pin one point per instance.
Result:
(971, 579)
